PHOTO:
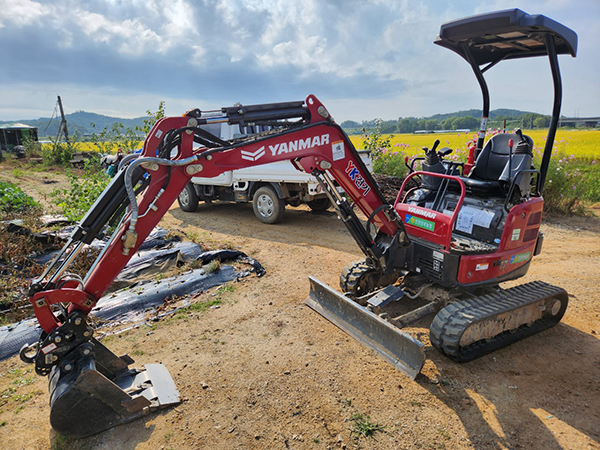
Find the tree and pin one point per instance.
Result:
(431, 124)
(350, 124)
(540, 122)
(153, 117)
(465, 122)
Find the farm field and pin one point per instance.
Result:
(263, 371)
(573, 174)
(584, 144)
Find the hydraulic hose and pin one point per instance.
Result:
(126, 159)
(129, 176)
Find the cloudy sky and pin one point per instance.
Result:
(362, 58)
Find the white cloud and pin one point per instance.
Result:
(375, 53)
(21, 13)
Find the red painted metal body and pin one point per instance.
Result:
(441, 234)
(516, 245)
(321, 144)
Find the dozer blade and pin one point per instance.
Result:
(99, 392)
(400, 349)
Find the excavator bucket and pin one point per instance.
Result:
(100, 392)
(400, 349)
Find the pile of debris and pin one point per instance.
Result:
(389, 186)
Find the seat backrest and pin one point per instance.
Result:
(494, 156)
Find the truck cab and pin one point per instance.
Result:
(270, 187)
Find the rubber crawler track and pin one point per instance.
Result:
(452, 321)
(350, 278)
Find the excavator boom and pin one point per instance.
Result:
(85, 373)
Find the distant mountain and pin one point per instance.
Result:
(500, 113)
(80, 121)
(468, 119)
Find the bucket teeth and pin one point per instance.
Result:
(100, 392)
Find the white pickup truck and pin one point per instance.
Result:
(269, 187)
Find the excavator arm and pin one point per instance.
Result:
(169, 159)
(84, 375)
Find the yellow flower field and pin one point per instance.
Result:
(582, 144)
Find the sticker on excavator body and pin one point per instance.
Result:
(337, 150)
(420, 223)
(355, 175)
(49, 348)
(520, 257)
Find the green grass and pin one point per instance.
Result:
(200, 307)
(363, 426)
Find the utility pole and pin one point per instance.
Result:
(62, 128)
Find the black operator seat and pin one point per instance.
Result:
(484, 179)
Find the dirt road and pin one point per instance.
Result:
(264, 371)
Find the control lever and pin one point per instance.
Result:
(435, 146)
(510, 152)
(519, 133)
(445, 152)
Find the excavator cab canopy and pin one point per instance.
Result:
(487, 39)
(506, 34)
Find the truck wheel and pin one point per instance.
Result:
(188, 199)
(267, 206)
(319, 205)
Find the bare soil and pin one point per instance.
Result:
(264, 371)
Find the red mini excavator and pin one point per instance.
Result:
(448, 241)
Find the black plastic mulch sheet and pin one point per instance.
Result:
(133, 302)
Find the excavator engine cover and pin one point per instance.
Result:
(94, 391)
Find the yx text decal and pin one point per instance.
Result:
(355, 176)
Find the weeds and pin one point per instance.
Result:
(33, 149)
(13, 199)
(58, 442)
(24, 381)
(84, 189)
(212, 266)
(200, 307)
(444, 433)
(61, 153)
(226, 288)
(363, 426)
(385, 159)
